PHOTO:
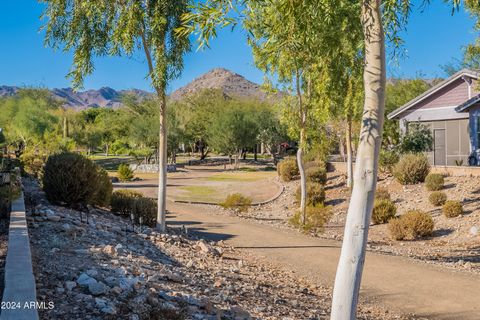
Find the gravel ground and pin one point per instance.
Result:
(454, 244)
(3, 251)
(102, 269)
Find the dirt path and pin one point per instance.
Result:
(398, 283)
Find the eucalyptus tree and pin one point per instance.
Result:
(116, 27)
(288, 43)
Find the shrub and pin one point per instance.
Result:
(316, 174)
(144, 211)
(382, 194)
(437, 198)
(418, 139)
(411, 169)
(412, 225)
(104, 188)
(72, 179)
(383, 211)
(316, 218)
(452, 209)
(33, 163)
(288, 169)
(237, 201)
(315, 194)
(387, 161)
(434, 182)
(122, 201)
(125, 173)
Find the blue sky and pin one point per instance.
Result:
(433, 38)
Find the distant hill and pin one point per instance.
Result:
(103, 97)
(230, 83)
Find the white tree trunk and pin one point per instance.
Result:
(350, 266)
(162, 168)
(303, 184)
(348, 141)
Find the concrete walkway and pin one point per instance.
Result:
(400, 284)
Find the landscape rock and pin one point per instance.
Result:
(97, 288)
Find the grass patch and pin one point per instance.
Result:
(199, 193)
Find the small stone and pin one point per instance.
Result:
(54, 218)
(240, 313)
(108, 249)
(69, 285)
(85, 280)
(66, 227)
(97, 288)
(92, 272)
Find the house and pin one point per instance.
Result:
(451, 109)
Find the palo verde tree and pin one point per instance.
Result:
(116, 27)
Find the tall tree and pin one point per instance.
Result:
(116, 27)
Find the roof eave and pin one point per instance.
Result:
(426, 94)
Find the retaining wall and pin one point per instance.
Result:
(19, 295)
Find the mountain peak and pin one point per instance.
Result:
(230, 83)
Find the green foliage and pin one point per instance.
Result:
(412, 225)
(437, 198)
(434, 182)
(417, 140)
(288, 169)
(316, 174)
(125, 173)
(382, 193)
(72, 179)
(118, 30)
(233, 129)
(122, 201)
(387, 161)
(383, 211)
(315, 194)
(316, 219)
(237, 201)
(397, 94)
(131, 203)
(452, 208)
(411, 169)
(33, 162)
(145, 211)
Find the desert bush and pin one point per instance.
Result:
(316, 174)
(315, 219)
(383, 211)
(122, 201)
(237, 201)
(452, 208)
(412, 225)
(388, 160)
(144, 211)
(437, 198)
(72, 179)
(125, 173)
(104, 188)
(32, 163)
(382, 193)
(411, 169)
(315, 194)
(434, 182)
(287, 169)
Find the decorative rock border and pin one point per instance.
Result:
(282, 189)
(19, 296)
